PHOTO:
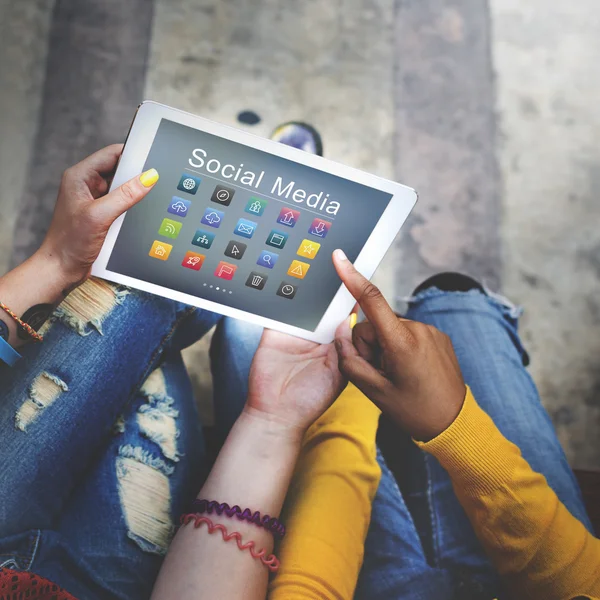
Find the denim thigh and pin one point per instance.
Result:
(113, 531)
(59, 404)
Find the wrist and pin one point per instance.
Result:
(52, 264)
(274, 428)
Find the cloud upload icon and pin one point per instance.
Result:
(179, 206)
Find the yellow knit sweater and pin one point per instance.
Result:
(538, 547)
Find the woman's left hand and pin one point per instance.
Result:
(85, 211)
(293, 381)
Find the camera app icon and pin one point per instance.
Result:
(223, 195)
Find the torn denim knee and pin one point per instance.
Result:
(142, 475)
(508, 308)
(156, 417)
(145, 496)
(86, 308)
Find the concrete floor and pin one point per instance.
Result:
(547, 99)
(488, 109)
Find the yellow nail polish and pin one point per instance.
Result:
(149, 178)
(353, 318)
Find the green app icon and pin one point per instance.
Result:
(170, 228)
(255, 206)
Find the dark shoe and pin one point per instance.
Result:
(299, 135)
(450, 282)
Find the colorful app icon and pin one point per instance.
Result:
(170, 228)
(287, 290)
(223, 195)
(179, 206)
(225, 270)
(256, 280)
(288, 216)
(235, 249)
(298, 269)
(277, 239)
(192, 260)
(308, 249)
(256, 206)
(212, 217)
(245, 228)
(189, 183)
(160, 250)
(202, 238)
(319, 228)
(267, 259)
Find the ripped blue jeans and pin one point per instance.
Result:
(101, 444)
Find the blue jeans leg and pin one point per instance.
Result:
(395, 565)
(57, 413)
(233, 347)
(483, 331)
(115, 529)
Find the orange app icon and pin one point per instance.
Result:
(160, 250)
(193, 261)
(225, 270)
(308, 249)
(298, 269)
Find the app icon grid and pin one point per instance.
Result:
(223, 195)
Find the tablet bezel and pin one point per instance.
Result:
(137, 147)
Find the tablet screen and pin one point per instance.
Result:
(244, 228)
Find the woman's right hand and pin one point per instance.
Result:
(406, 368)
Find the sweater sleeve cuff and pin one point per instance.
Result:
(473, 450)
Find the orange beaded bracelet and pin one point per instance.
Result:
(32, 332)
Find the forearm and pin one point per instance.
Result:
(252, 470)
(539, 548)
(31, 290)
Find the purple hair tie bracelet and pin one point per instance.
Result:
(271, 524)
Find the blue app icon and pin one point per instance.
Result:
(212, 217)
(245, 228)
(189, 183)
(179, 206)
(267, 259)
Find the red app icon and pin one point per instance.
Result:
(225, 270)
(193, 261)
(288, 216)
(319, 228)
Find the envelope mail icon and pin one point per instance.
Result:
(245, 228)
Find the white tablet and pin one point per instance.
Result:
(245, 226)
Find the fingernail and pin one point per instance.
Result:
(149, 178)
(353, 318)
(340, 255)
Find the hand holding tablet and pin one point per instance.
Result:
(245, 226)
